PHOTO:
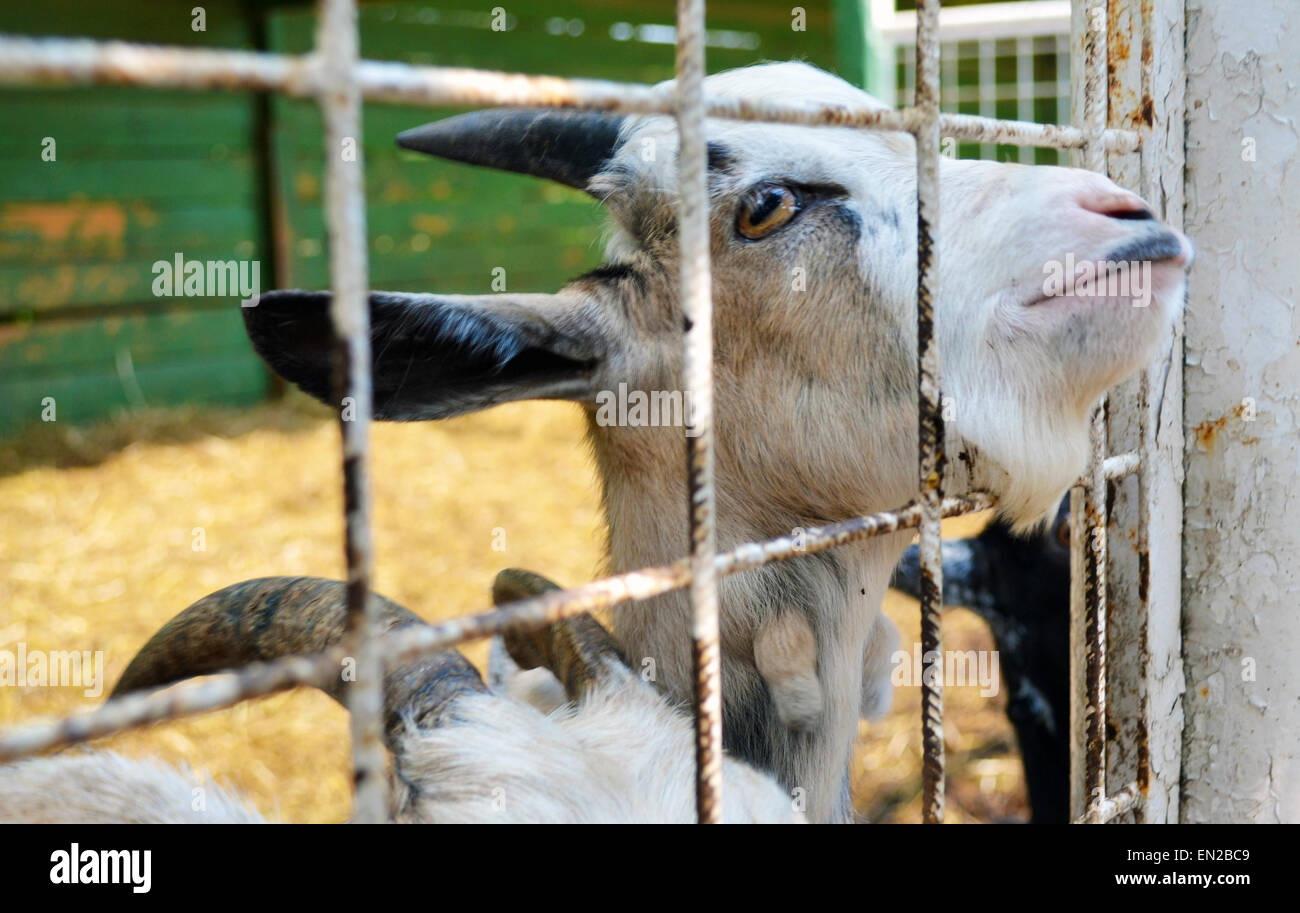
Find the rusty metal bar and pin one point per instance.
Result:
(24, 61)
(697, 304)
(220, 691)
(1088, 505)
(1116, 467)
(1148, 393)
(929, 408)
(1121, 465)
(338, 44)
(1110, 807)
(186, 699)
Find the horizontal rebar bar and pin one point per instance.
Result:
(1121, 465)
(57, 61)
(254, 680)
(1112, 807)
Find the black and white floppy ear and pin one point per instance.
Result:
(434, 356)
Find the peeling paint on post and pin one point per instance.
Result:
(1241, 542)
(1145, 677)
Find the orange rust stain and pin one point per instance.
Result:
(398, 191)
(51, 222)
(13, 332)
(77, 221)
(435, 226)
(55, 290)
(1118, 42)
(1146, 116)
(143, 215)
(104, 222)
(306, 186)
(1206, 432)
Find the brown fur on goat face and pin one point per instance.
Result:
(815, 362)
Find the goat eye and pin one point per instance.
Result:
(766, 209)
(1063, 532)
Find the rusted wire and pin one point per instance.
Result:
(697, 304)
(1121, 465)
(929, 408)
(186, 699)
(225, 690)
(1109, 807)
(1093, 540)
(1150, 399)
(338, 42)
(24, 61)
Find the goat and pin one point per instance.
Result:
(1021, 587)
(814, 268)
(460, 753)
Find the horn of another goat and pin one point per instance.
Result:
(264, 619)
(578, 651)
(562, 145)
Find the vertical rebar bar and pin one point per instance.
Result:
(1096, 97)
(930, 415)
(1149, 401)
(693, 227)
(337, 43)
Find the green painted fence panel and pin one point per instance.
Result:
(136, 176)
(88, 369)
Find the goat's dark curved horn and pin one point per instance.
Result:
(578, 651)
(264, 619)
(562, 145)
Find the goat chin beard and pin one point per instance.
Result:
(1029, 464)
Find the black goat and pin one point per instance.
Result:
(1021, 587)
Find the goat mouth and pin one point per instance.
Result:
(1166, 246)
(1135, 270)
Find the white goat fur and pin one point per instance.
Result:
(622, 755)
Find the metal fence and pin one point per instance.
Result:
(995, 59)
(335, 76)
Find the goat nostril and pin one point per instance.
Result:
(1137, 215)
(1119, 206)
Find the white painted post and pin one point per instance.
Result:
(1241, 546)
(1145, 675)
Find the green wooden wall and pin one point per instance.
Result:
(141, 175)
(138, 176)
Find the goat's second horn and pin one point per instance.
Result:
(270, 617)
(578, 651)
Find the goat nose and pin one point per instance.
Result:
(1117, 206)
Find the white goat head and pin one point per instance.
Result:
(814, 269)
(614, 752)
